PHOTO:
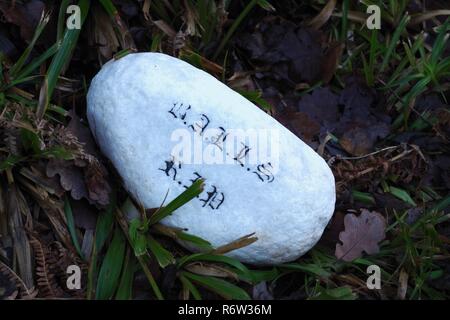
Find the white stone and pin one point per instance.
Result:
(134, 108)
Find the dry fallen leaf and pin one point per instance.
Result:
(103, 35)
(97, 185)
(146, 9)
(85, 176)
(402, 284)
(331, 60)
(18, 211)
(211, 270)
(24, 15)
(71, 177)
(362, 233)
(287, 53)
(323, 16)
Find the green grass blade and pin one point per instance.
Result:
(363, 197)
(71, 226)
(61, 58)
(34, 64)
(441, 205)
(194, 190)
(125, 290)
(256, 276)
(109, 275)
(393, 43)
(109, 7)
(122, 220)
(213, 258)
(402, 195)
(137, 238)
(223, 288)
(374, 49)
(103, 229)
(344, 23)
(61, 19)
(163, 256)
(341, 293)
(256, 98)
(312, 269)
(198, 242)
(105, 222)
(9, 162)
(23, 58)
(440, 42)
(266, 5)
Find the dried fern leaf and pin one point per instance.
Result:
(45, 276)
(25, 292)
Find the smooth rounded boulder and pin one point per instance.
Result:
(164, 124)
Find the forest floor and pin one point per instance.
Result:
(374, 103)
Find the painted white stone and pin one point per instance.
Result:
(134, 107)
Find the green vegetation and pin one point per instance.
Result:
(400, 62)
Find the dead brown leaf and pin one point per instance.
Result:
(331, 60)
(26, 16)
(23, 291)
(362, 233)
(212, 270)
(146, 9)
(236, 244)
(70, 177)
(402, 284)
(357, 141)
(103, 35)
(85, 176)
(17, 209)
(45, 276)
(323, 16)
(190, 19)
(97, 186)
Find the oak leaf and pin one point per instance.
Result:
(362, 233)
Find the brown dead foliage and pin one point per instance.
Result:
(362, 233)
(49, 160)
(45, 274)
(51, 262)
(405, 162)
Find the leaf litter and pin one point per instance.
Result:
(287, 62)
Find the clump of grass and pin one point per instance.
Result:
(120, 264)
(60, 60)
(394, 61)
